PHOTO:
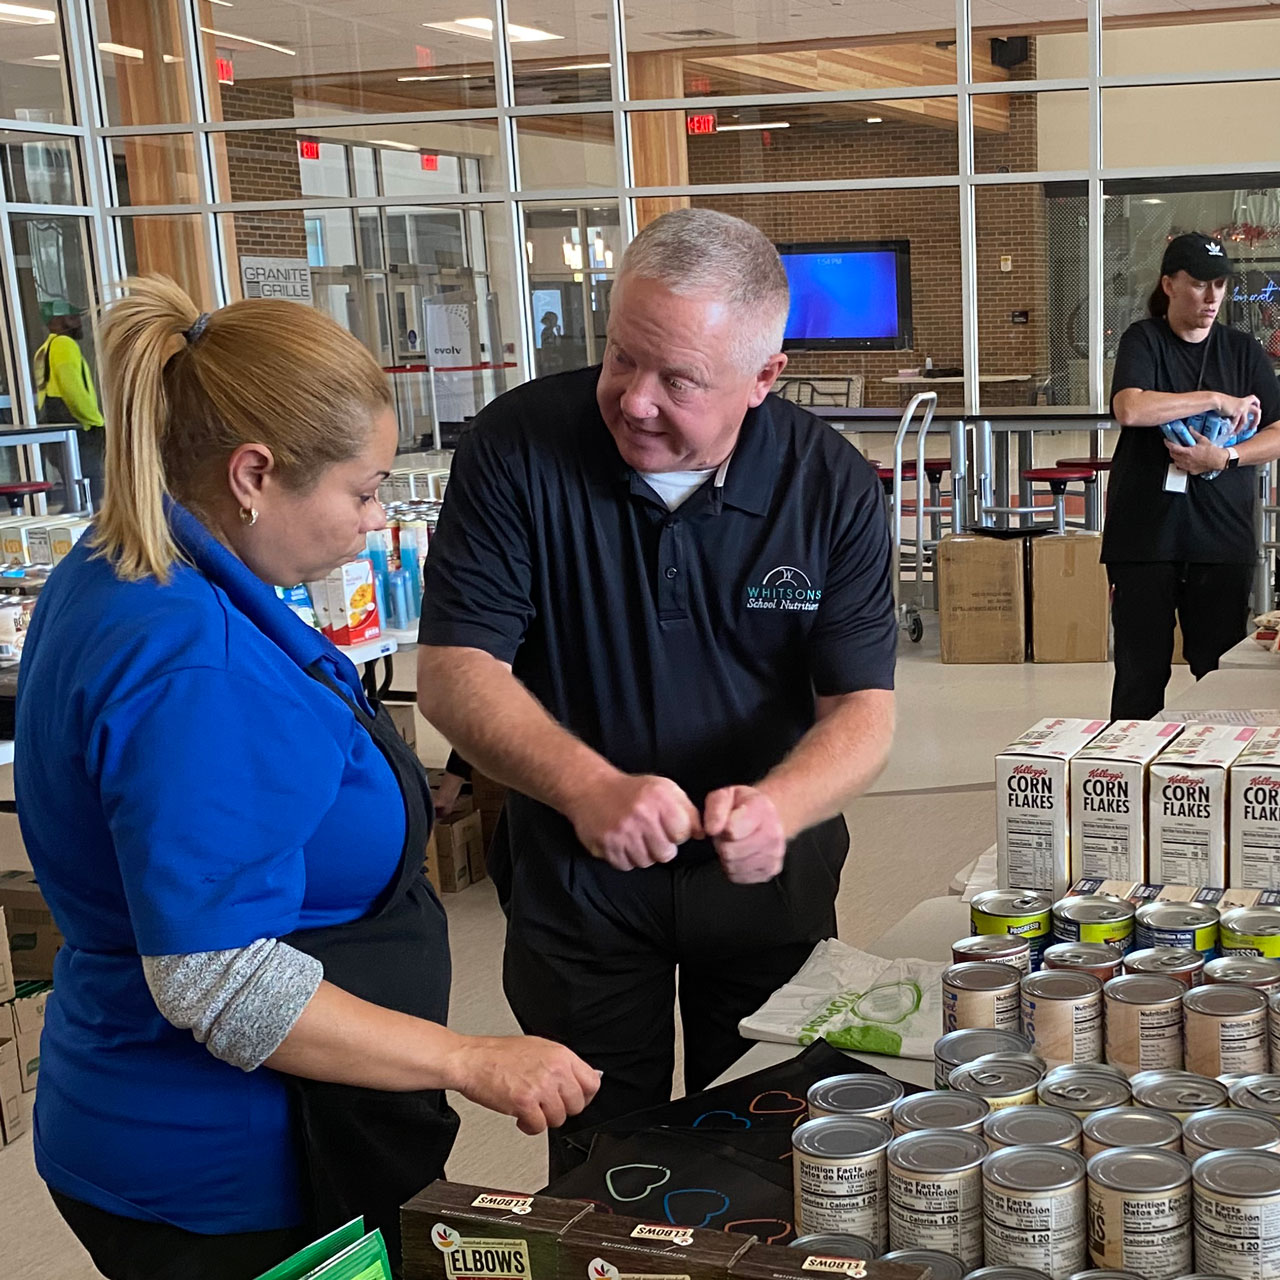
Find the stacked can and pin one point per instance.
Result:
(1034, 1210)
(1180, 1093)
(1192, 926)
(1101, 959)
(981, 994)
(958, 1047)
(1253, 931)
(1000, 1079)
(1032, 1126)
(1062, 1015)
(1084, 1089)
(1144, 1022)
(1237, 1214)
(867, 1094)
(1140, 1212)
(935, 1193)
(1130, 1127)
(1225, 1030)
(1094, 917)
(1182, 963)
(940, 1109)
(1243, 970)
(1018, 912)
(942, 1266)
(840, 1177)
(993, 948)
(1236, 1129)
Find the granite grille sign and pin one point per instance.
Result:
(288, 279)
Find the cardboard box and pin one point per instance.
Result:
(431, 861)
(608, 1247)
(452, 1231)
(777, 1262)
(1253, 814)
(7, 990)
(34, 939)
(404, 717)
(63, 537)
(464, 803)
(1187, 805)
(1033, 805)
(26, 1013)
(1210, 895)
(982, 599)
(459, 840)
(1070, 598)
(13, 1114)
(1109, 799)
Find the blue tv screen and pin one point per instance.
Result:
(855, 296)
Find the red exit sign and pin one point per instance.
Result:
(226, 72)
(430, 162)
(702, 123)
(308, 149)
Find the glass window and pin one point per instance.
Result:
(1158, 37)
(897, 138)
(277, 59)
(155, 169)
(560, 55)
(39, 168)
(566, 152)
(142, 57)
(33, 85)
(173, 246)
(1029, 132)
(1037, 40)
(573, 254)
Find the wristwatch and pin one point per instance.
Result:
(1233, 458)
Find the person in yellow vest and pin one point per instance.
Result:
(65, 393)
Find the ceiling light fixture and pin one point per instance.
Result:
(121, 50)
(482, 29)
(47, 57)
(226, 4)
(389, 142)
(742, 128)
(26, 16)
(261, 44)
(875, 119)
(425, 79)
(571, 66)
(1153, 200)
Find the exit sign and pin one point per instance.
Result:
(430, 161)
(702, 123)
(226, 72)
(308, 149)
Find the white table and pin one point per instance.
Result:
(926, 932)
(1249, 654)
(918, 379)
(1232, 689)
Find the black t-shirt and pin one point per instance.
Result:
(690, 642)
(1213, 521)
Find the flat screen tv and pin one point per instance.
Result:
(854, 296)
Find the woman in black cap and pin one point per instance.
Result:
(1177, 542)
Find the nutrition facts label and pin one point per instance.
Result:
(1064, 1030)
(1149, 1235)
(1184, 856)
(1260, 860)
(1238, 1238)
(849, 1197)
(1105, 849)
(1030, 844)
(1043, 1231)
(1159, 1038)
(938, 1213)
(1244, 1046)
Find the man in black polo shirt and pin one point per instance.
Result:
(1176, 541)
(658, 607)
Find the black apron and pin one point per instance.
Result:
(365, 1151)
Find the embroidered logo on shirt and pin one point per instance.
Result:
(785, 588)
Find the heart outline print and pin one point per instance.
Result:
(694, 1191)
(755, 1107)
(786, 1228)
(733, 1115)
(652, 1186)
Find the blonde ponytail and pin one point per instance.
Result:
(260, 371)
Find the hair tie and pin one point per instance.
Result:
(196, 332)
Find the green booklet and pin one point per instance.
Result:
(345, 1254)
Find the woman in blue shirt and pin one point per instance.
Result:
(246, 1044)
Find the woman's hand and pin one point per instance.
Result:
(1196, 459)
(538, 1082)
(446, 795)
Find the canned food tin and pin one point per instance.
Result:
(1189, 925)
(836, 1244)
(1006, 1273)
(1203, 1275)
(1182, 963)
(1257, 1093)
(1083, 1091)
(1207, 1131)
(998, 1081)
(1140, 1211)
(1226, 1029)
(857, 1094)
(1021, 912)
(959, 1047)
(1073, 1068)
(1143, 1022)
(1032, 1127)
(942, 1266)
(1237, 1213)
(935, 1193)
(1252, 930)
(981, 994)
(940, 1109)
(840, 1177)
(1062, 1015)
(994, 948)
(1131, 1127)
(1243, 970)
(1034, 1209)
(1178, 1092)
(1098, 958)
(1094, 917)
(1099, 1274)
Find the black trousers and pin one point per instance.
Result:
(1210, 601)
(130, 1249)
(594, 956)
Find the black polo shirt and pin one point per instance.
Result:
(686, 643)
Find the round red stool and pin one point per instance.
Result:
(1092, 488)
(20, 492)
(1057, 478)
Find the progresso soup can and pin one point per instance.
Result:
(1252, 931)
(1021, 912)
(1193, 925)
(1094, 917)
(1244, 971)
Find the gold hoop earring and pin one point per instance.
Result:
(249, 515)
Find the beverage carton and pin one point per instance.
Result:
(1254, 814)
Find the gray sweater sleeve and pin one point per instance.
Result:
(240, 1003)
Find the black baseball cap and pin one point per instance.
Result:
(1198, 255)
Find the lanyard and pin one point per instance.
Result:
(1204, 359)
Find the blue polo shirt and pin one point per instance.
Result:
(183, 785)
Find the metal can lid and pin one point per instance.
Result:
(937, 1151)
(1011, 902)
(1081, 955)
(836, 1244)
(1144, 988)
(1204, 1275)
(972, 1042)
(1025, 1059)
(987, 944)
(1163, 960)
(1031, 1126)
(1239, 1173)
(939, 1109)
(1246, 970)
(1083, 1091)
(1139, 1169)
(1177, 915)
(1224, 1000)
(1066, 1069)
(1031, 1169)
(1236, 1127)
(993, 1077)
(1093, 908)
(1257, 1093)
(1060, 984)
(855, 1092)
(1106, 1275)
(981, 975)
(1259, 921)
(942, 1266)
(1177, 1091)
(838, 1137)
(1132, 1127)
(1006, 1273)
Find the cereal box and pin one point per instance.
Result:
(352, 604)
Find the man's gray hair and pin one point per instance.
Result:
(701, 251)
